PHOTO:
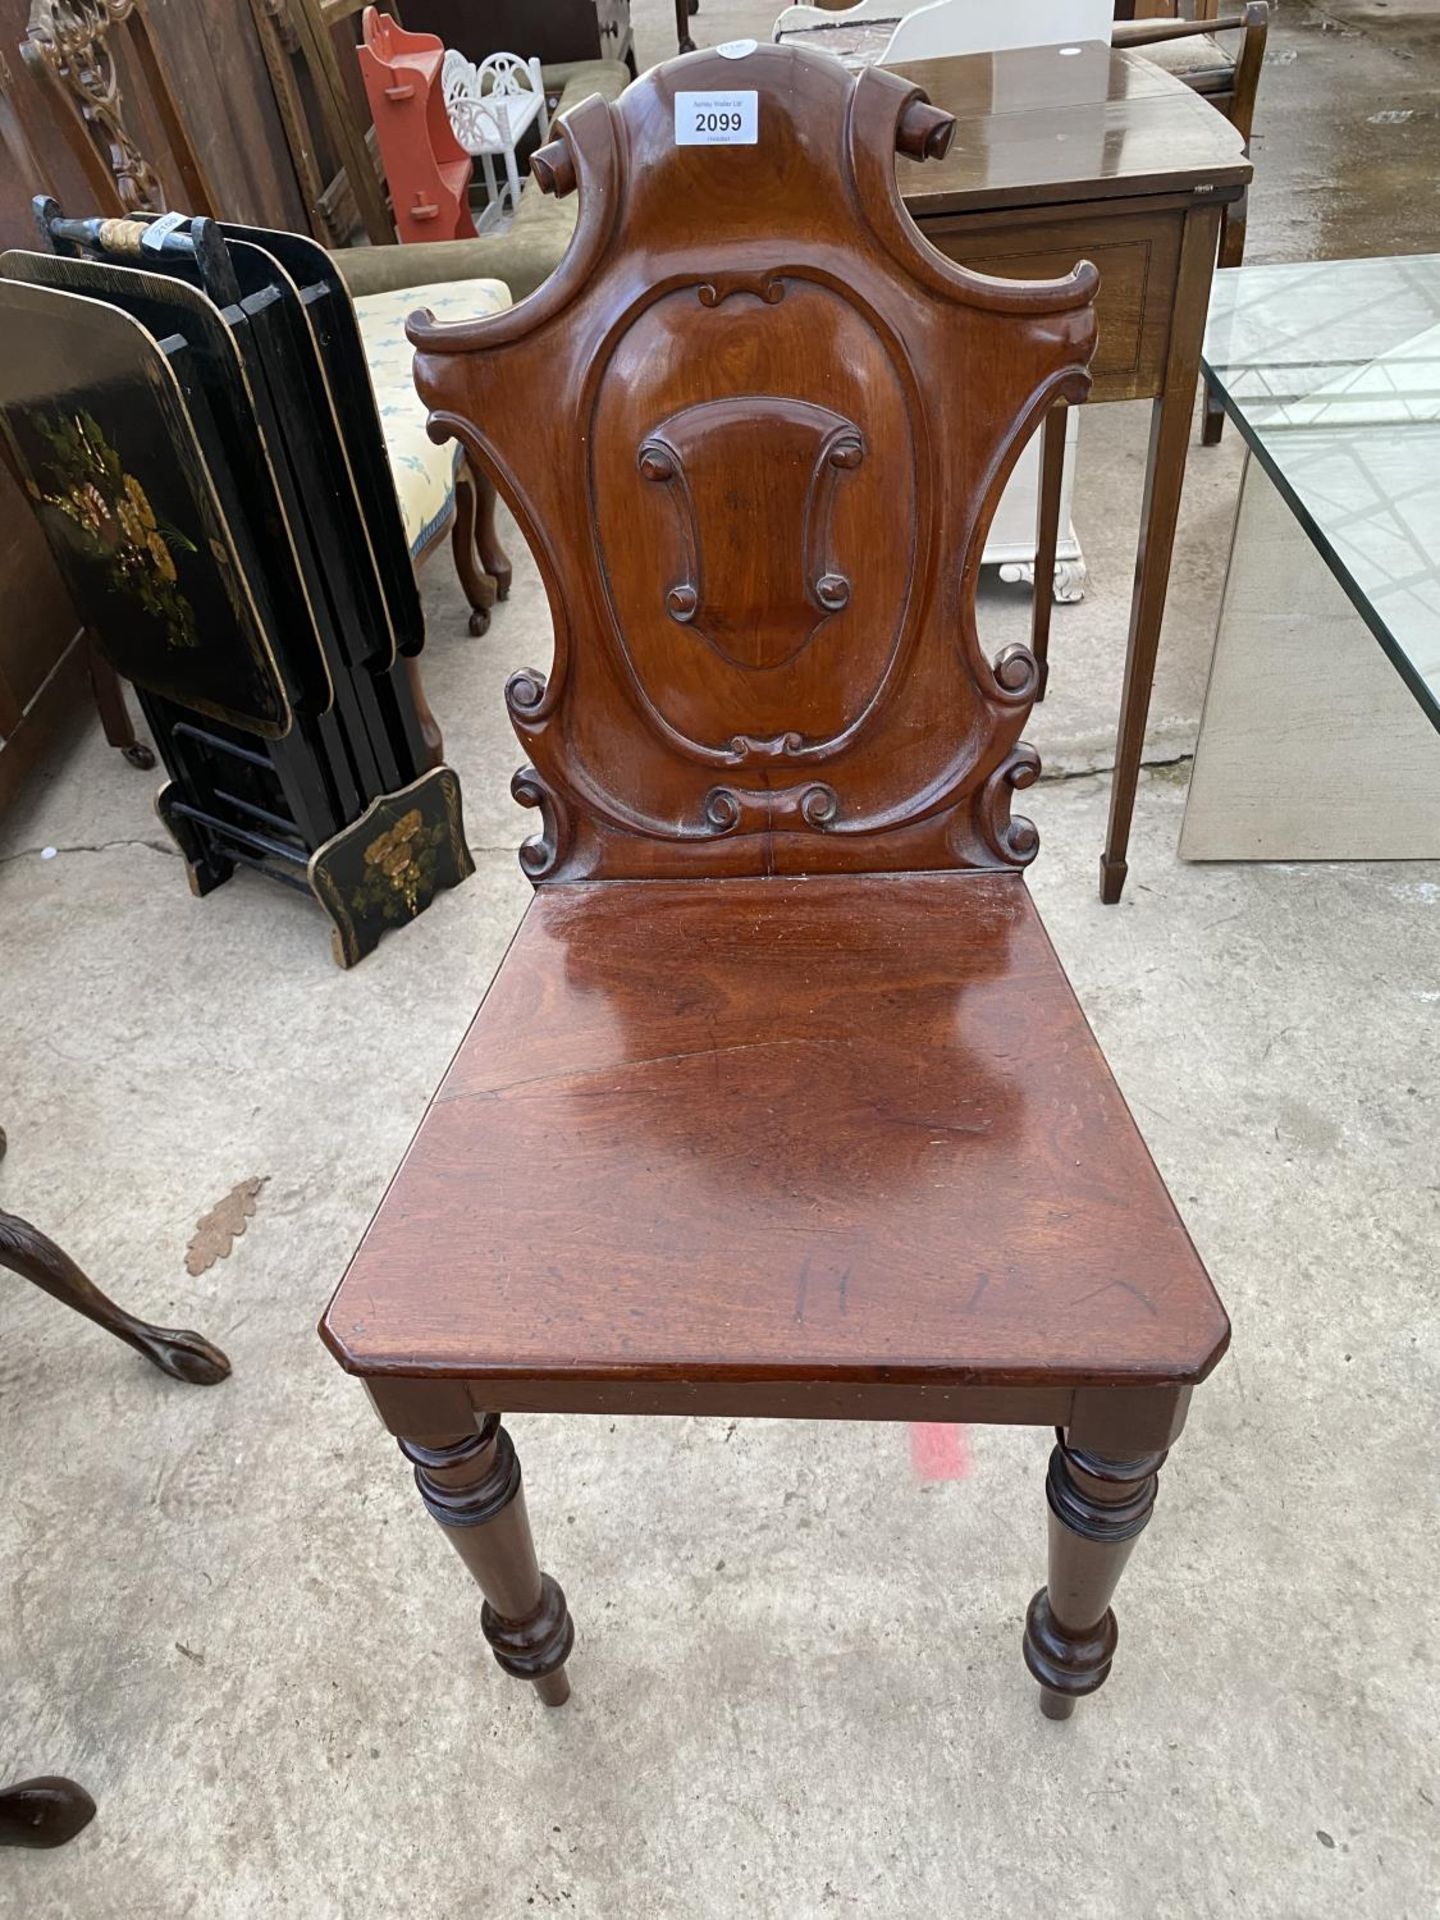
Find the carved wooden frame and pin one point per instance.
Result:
(649, 773)
(294, 38)
(68, 48)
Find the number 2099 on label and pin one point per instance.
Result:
(716, 119)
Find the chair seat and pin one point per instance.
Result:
(580, 78)
(849, 1128)
(1199, 60)
(424, 473)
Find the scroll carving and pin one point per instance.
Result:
(769, 287)
(69, 40)
(762, 810)
(1017, 675)
(1014, 842)
(543, 852)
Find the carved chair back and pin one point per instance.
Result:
(753, 429)
(72, 48)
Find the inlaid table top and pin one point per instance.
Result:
(1040, 125)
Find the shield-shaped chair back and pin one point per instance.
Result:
(753, 429)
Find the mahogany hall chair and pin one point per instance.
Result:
(780, 1103)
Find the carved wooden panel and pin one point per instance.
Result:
(754, 430)
(70, 47)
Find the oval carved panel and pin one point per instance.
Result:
(732, 528)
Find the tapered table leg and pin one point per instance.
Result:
(1160, 510)
(1047, 538)
(472, 1487)
(1098, 1509)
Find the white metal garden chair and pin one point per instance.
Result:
(491, 108)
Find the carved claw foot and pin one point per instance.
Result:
(183, 1355)
(1067, 583)
(176, 1351)
(44, 1812)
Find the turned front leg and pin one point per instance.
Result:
(472, 1487)
(1098, 1509)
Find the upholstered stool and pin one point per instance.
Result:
(435, 485)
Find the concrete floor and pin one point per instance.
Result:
(798, 1686)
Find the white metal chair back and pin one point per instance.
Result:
(491, 105)
(993, 26)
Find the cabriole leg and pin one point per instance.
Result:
(479, 587)
(1098, 1509)
(493, 556)
(472, 1487)
(174, 1350)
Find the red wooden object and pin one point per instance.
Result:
(428, 170)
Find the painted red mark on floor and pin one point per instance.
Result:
(939, 1452)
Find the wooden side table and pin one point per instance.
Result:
(1099, 155)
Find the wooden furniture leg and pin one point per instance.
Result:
(1241, 113)
(480, 560)
(1098, 1509)
(429, 726)
(114, 714)
(181, 1354)
(472, 1487)
(44, 1812)
(493, 556)
(683, 11)
(1047, 538)
(1160, 509)
(1232, 253)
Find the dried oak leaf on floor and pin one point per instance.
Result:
(218, 1230)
